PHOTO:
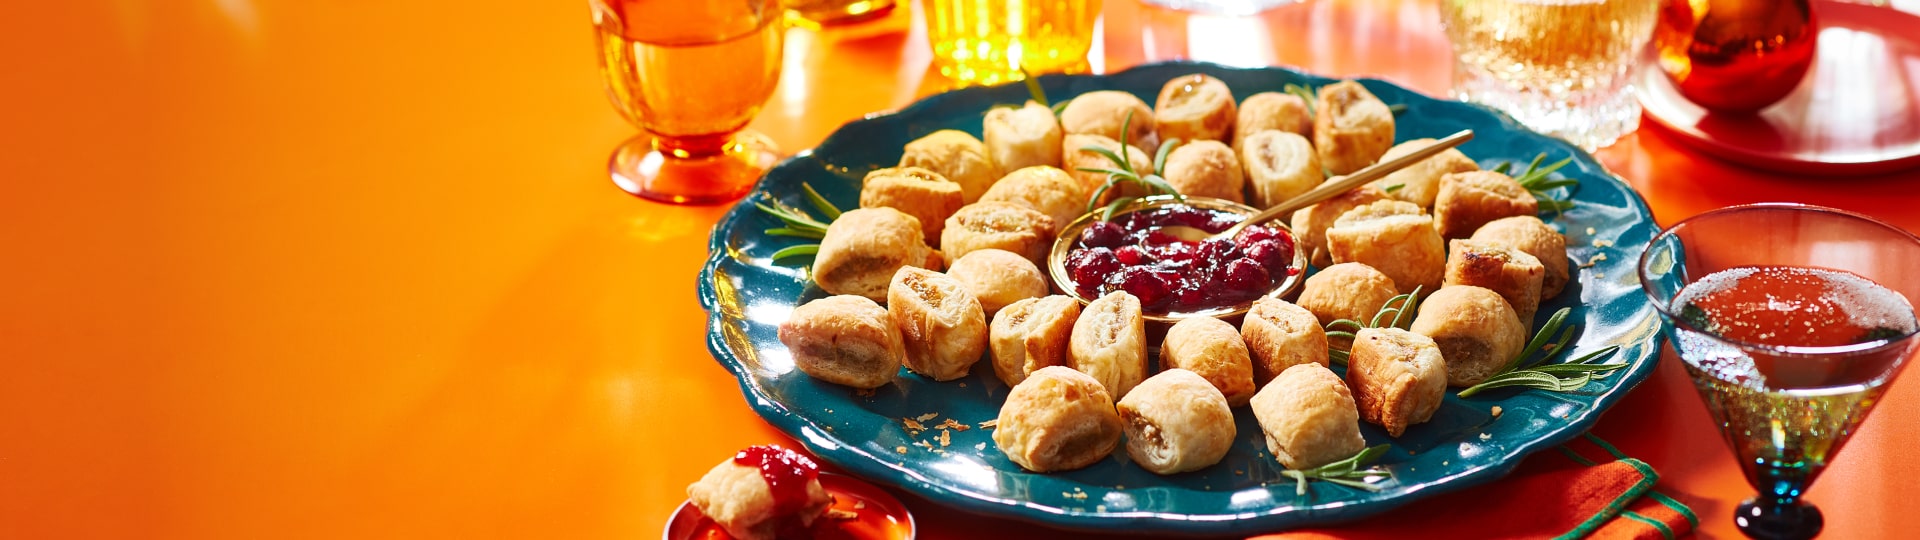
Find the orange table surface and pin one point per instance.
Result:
(281, 269)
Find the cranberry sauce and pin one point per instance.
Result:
(1170, 275)
(787, 474)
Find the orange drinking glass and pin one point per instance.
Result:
(690, 75)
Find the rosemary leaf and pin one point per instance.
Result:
(1061, 106)
(820, 202)
(1556, 369)
(1393, 188)
(1160, 158)
(796, 233)
(1105, 153)
(1116, 206)
(1033, 88)
(1530, 379)
(796, 251)
(1304, 93)
(1346, 472)
(1503, 168)
(1099, 193)
(1397, 108)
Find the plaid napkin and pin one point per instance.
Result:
(1552, 495)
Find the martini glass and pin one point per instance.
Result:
(690, 75)
(1784, 407)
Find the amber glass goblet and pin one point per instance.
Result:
(690, 75)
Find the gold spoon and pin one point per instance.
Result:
(1326, 190)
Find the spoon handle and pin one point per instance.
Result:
(1340, 185)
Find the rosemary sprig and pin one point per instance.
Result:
(1033, 88)
(1123, 172)
(1525, 370)
(1537, 179)
(798, 223)
(1305, 94)
(1347, 472)
(1398, 306)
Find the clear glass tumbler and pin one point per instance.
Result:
(1562, 67)
(690, 75)
(992, 41)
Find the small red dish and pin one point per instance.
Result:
(1854, 113)
(876, 515)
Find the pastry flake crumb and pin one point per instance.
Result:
(1590, 231)
(928, 416)
(981, 446)
(900, 449)
(1486, 436)
(953, 425)
(1597, 257)
(1099, 508)
(913, 427)
(990, 424)
(1602, 243)
(923, 444)
(841, 515)
(946, 438)
(859, 504)
(1496, 411)
(963, 385)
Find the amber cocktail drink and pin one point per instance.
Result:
(691, 75)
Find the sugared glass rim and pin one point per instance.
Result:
(1063, 245)
(1664, 305)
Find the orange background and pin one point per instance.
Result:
(331, 269)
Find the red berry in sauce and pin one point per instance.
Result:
(1103, 234)
(1143, 284)
(1133, 255)
(1246, 276)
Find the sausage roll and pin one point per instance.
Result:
(865, 247)
(1105, 113)
(1308, 417)
(1049, 190)
(1280, 166)
(1057, 420)
(1205, 169)
(958, 157)
(1194, 108)
(941, 324)
(1176, 422)
(1311, 223)
(1212, 349)
(1109, 342)
(918, 192)
(997, 225)
(846, 339)
(1392, 237)
(1281, 335)
(998, 277)
(1271, 110)
(1512, 273)
(1529, 234)
(1031, 334)
(1471, 199)
(1022, 137)
(1398, 377)
(1420, 182)
(1351, 127)
(737, 498)
(1351, 291)
(1478, 333)
(1075, 157)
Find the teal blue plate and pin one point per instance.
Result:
(1466, 444)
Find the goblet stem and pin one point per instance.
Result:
(708, 169)
(1778, 518)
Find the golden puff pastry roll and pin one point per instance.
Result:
(1105, 113)
(1022, 137)
(1308, 417)
(1280, 166)
(1176, 422)
(1351, 291)
(1047, 189)
(918, 192)
(1194, 108)
(958, 157)
(1398, 377)
(737, 497)
(1514, 274)
(1420, 182)
(865, 247)
(1212, 349)
(998, 277)
(1471, 199)
(1205, 169)
(1075, 156)
(1271, 111)
(997, 225)
(1311, 223)
(1351, 127)
(1109, 342)
(1529, 234)
(1280, 335)
(1476, 330)
(1393, 237)
(1031, 334)
(1057, 419)
(846, 339)
(942, 325)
